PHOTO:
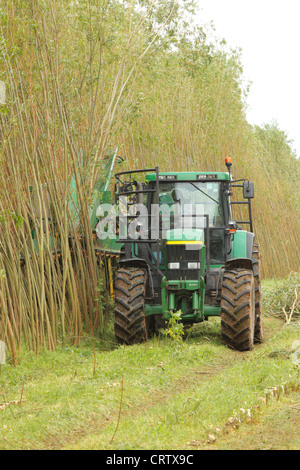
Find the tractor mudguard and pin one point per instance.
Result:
(136, 262)
(244, 263)
(242, 251)
(242, 245)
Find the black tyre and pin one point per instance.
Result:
(238, 309)
(130, 323)
(256, 258)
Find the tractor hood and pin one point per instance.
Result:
(185, 236)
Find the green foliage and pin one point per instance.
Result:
(164, 396)
(175, 328)
(70, 70)
(83, 78)
(281, 297)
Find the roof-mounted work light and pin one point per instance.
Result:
(228, 163)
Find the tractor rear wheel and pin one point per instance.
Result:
(256, 258)
(131, 326)
(238, 309)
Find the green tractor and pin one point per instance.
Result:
(181, 250)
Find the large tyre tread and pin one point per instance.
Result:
(237, 309)
(130, 322)
(256, 260)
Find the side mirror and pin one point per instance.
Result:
(248, 190)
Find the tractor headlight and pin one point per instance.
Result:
(193, 265)
(174, 265)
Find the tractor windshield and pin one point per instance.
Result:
(194, 198)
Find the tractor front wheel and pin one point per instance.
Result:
(131, 325)
(238, 309)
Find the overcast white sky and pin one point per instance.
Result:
(268, 32)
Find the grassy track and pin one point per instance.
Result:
(159, 395)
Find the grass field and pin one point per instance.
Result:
(194, 394)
